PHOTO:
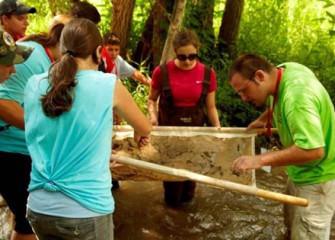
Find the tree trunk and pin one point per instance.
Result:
(143, 51)
(204, 10)
(230, 27)
(151, 44)
(121, 22)
(162, 13)
(176, 20)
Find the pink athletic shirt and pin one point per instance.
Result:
(186, 85)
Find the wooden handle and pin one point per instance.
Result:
(211, 181)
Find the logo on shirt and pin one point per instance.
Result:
(186, 119)
(198, 81)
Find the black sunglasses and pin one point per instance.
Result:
(183, 57)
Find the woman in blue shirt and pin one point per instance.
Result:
(15, 161)
(68, 122)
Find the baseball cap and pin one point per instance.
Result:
(10, 52)
(15, 7)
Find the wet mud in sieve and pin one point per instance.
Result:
(206, 155)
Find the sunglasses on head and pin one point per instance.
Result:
(183, 57)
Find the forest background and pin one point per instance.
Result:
(279, 30)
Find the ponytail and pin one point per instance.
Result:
(60, 95)
(79, 39)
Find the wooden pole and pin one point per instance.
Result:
(211, 181)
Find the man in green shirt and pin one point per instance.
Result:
(303, 113)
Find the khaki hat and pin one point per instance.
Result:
(14, 7)
(10, 52)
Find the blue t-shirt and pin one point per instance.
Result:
(12, 139)
(70, 153)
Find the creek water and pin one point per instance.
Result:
(141, 214)
(213, 214)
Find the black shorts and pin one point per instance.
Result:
(14, 180)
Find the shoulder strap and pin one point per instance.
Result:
(205, 86)
(166, 84)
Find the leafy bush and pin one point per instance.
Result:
(279, 30)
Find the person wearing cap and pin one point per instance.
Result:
(14, 17)
(10, 54)
(15, 161)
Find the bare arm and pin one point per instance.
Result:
(12, 113)
(211, 110)
(292, 155)
(152, 106)
(127, 108)
(139, 77)
(260, 122)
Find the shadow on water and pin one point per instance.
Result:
(213, 214)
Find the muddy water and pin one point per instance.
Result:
(214, 213)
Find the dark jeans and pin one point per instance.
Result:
(14, 180)
(177, 192)
(115, 184)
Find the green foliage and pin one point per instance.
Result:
(285, 30)
(105, 9)
(139, 93)
(39, 21)
(141, 13)
(280, 30)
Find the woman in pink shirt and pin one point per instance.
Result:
(186, 89)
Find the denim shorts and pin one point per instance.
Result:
(56, 228)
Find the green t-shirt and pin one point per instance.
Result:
(304, 116)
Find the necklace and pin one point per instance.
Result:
(270, 110)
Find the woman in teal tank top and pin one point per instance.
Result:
(68, 123)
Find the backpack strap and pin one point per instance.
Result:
(205, 86)
(166, 85)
